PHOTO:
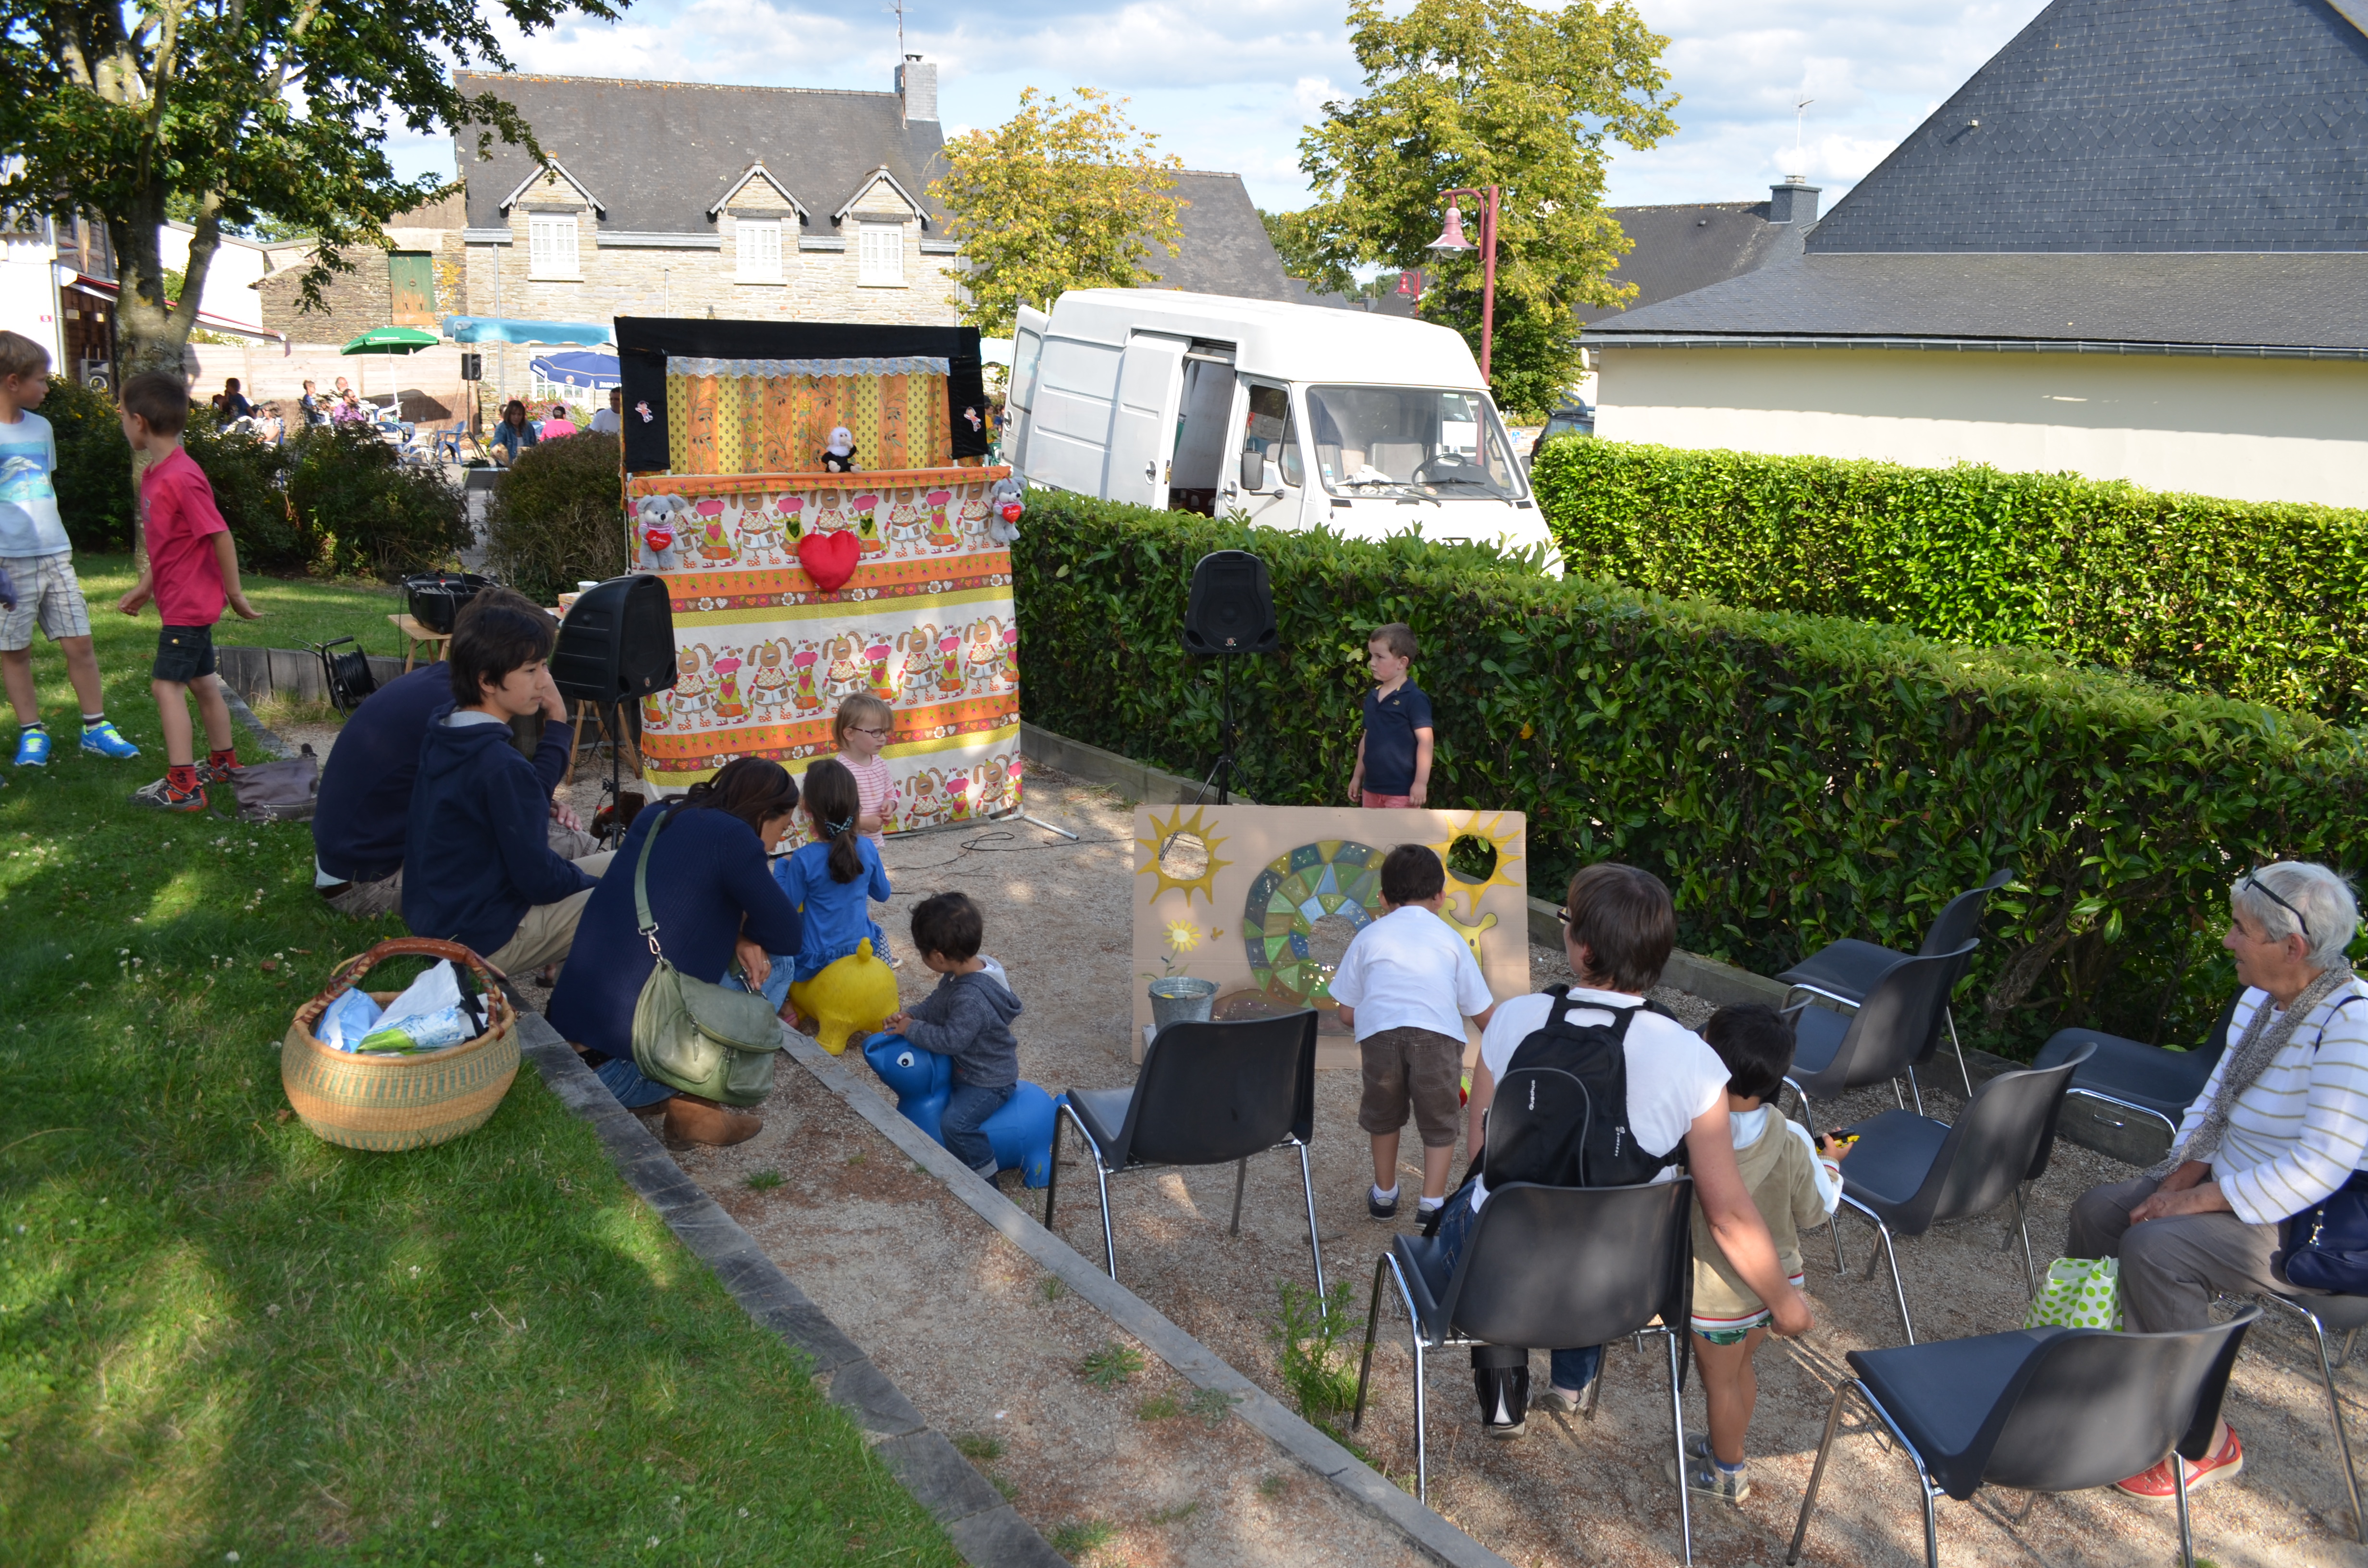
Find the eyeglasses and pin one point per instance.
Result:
(2271, 893)
(859, 730)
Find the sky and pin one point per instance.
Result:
(1232, 83)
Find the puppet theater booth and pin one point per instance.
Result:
(1261, 900)
(794, 587)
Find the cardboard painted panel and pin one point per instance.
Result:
(1262, 899)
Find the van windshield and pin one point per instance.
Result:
(1425, 441)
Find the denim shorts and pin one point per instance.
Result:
(183, 652)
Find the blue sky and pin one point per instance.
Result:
(1231, 84)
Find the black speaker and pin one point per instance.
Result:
(1231, 610)
(617, 642)
(472, 367)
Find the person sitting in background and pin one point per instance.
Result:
(315, 405)
(558, 424)
(363, 815)
(610, 420)
(513, 435)
(478, 867)
(2282, 1125)
(232, 403)
(349, 409)
(714, 902)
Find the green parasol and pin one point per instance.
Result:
(388, 340)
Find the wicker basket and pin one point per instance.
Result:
(399, 1102)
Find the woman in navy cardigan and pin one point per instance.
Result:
(714, 900)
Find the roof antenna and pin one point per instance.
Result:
(1798, 111)
(903, 116)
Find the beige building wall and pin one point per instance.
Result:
(2248, 429)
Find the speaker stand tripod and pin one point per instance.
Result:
(1220, 776)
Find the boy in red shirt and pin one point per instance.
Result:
(193, 568)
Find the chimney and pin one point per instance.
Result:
(916, 84)
(1792, 202)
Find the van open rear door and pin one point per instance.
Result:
(1143, 426)
(1020, 396)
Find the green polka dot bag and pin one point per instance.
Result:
(2080, 1292)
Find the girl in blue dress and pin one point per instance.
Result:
(834, 882)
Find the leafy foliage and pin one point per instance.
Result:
(1056, 198)
(1305, 255)
(557, 517)
(363, 512)
(2263, 601)
(1110, 1365)
(1474, 93)
(1794, 780)
(94, 474)
(1314, 1338)
(249, 476)
(237, 115)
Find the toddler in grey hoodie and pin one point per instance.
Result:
(967, 1017)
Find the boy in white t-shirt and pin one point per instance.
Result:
(38, 559)
(1405, 985)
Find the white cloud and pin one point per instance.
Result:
(1232, 84)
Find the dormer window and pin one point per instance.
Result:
(758, 243)
(552, 248)
(880, 255)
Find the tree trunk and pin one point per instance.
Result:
(152, 333)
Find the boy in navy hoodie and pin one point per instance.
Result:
(968, 1018)
(477, 866)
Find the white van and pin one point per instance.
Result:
(1296, 416)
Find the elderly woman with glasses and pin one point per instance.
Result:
(2281, 1123)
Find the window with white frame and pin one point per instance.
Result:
(758, 241)
(880, 253)
(551, 247)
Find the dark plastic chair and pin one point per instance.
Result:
(1547, 1266)
(1207, 1093)
(2345, 1315)
(1849, 971)
(2041, 1410)
(2130, 1079)
(1908, 1172)
(1834, 1053)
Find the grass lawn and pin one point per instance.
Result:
(296, 611)
(223, 1340)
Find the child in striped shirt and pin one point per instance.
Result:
(860, 731)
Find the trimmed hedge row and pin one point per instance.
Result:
(1794, 780)
(2261, 601)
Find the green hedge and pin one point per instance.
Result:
(558, 516)
(1796, 779)
(2263, 601)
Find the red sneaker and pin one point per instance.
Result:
(2157, 1485)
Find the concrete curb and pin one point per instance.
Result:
(270, 739)
(984, 1528)
(1432, 1535)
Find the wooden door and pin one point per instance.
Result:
(412, 278)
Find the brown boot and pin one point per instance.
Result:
(695, 1120)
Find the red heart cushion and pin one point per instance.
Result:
(829, 559)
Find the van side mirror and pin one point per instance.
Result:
(1253, 470)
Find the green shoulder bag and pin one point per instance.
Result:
(694, 1035)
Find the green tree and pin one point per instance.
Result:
(1307, 254)
(241, 113)
(1492, 92)
(1059, 197)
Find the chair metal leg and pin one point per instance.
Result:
(1807, 1113)
(1241, 1180)
(1834, 1225)
(1421, 1420)
(1053, 1182)
(1958, 1046)
(2345, 1353)
(1677, 1436)
(1915, 1088)
(1373, 1327)
(2186, 1535)
(2342, 1438)
(1594, 1390)
(1891, 1254)
(1932, 1527)
(2022, 1227)
(1315, 1245)
(1902, 1099)
(1816, 1473)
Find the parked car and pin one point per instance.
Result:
(1570, 417)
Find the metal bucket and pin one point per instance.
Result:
(1181, 999)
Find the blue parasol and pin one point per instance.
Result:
(492, 329)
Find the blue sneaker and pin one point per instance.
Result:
(33, 748)
(103, 739)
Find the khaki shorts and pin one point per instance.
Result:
(1418, 1066)
(48, 595)
(366, 901)
(548, 930)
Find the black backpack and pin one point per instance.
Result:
(1560, 1116)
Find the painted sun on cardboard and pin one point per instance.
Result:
(1264, 920)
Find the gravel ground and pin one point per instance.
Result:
(967, 1326)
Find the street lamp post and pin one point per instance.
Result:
(1451, 239)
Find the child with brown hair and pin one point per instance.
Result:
(861, 730)
(829, 881)
(192, 569)
(1796, 1183)
(37, 558)
(1393, 754)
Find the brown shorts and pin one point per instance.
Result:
(1412, 1065)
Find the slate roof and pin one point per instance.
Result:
(2280, 299)
(1224, 249)
(2137, 125)
(658, 155)
(1691, 245)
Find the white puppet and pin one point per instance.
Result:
(660, 526)
(1004, 503)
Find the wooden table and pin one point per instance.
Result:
(413, 634)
